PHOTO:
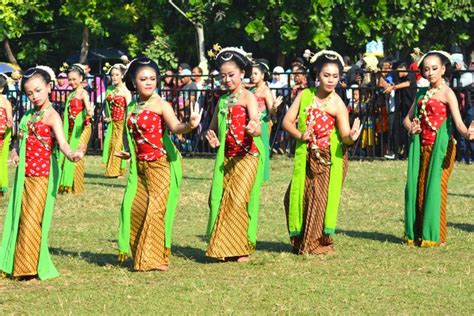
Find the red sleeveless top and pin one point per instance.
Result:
(76, 106)
(3, 123)
(261, 103)
(117, 107)
(238, 142)
(323, 124)
(147, 131)
(437, 112)
(38, 152)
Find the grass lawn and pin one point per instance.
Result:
(372, 272)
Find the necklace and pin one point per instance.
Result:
(36, 117)
(423, 114)
(230, 101)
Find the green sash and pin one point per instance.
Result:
(218, 178)
(432, 201)
(176, 173)
(295, 216)
(265, 136)
(4, 161)
(67, 177)
(46, 269)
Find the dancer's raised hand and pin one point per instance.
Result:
(212, 139)
(356, 129)
(196, 114)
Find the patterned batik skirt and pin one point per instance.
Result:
(30, 227)
(147, 232)
(114, 164)
(313, 240)
(229, 237)
(448, 164)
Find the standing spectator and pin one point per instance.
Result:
(189, 90)
(461, 83)
(60, 92)
(405, 91)
(301, 80)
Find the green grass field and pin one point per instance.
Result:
(372, 272)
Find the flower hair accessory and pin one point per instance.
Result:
(64, 67)
(107, 67)
(50, 71)
(417, 53)
(440, 52)
(214, 51)
(329, 54)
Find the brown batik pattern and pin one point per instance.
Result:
(29, 230)
(448, 165)
(147, 233)
(114, 164)
(230, 234)
(313, 240)
(78, 185)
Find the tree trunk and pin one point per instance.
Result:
(281, 59)
(200, 43)
(8, 52)
(85, 45)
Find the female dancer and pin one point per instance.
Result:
(117, 98)
(312, 199)
(6, 122)
(24, 250)
(77, 126)
(267, 105)
(432, 153)
(152, 192)
(238, 171)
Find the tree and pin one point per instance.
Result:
(18, 17)
(92, 14)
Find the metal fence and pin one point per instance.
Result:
(381, 114)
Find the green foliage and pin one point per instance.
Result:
(159, 49)
(91, 13)
(272, 28)
(18, 16)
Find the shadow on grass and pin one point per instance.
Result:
(112, 185)
(382, 237)
(191, 253)
(197, 178)
(469, 196)
(462, 226)
(99, 259)
(273, 246)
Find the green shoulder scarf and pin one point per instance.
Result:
(46, 269)
(67, 177)
(4, 161)
(295, 216)
(265, 136)
(108, 133)
(432, 204)
(176, 173)
(218, 178)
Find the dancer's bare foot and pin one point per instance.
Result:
(243, 259)
(442, 244)
(163, 268)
